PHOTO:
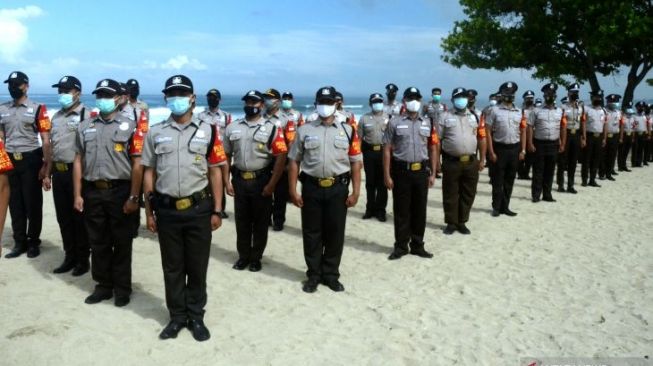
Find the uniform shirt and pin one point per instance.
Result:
(629, 122)
(393, 109)
(348, 116)
(575, 115)
(505, 123)
(615, 120)
(325, 151)
(291, 120)
(182, 154)
(106, 147)
(22, 124)
(5, 162)
(142, 106)
(409, 138)
(640, 123)
(459, 133)
(64, 132)
(253, 145)
(596, 119)
(547, 122)
(219, 118)
(371, 127)
(434, 111)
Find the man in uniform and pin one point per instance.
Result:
(391, 106)
(134, 91)
(5, 167)
(349, 116)
(183, 183)
(257, 150)
(461, 136)
(370, 130)
(506, 143)
(596, 127)
(642, 130)
(64, 138)
(216, 116)
(546, 135)
(523, 172)
(435, 107)
(410, 160)
(576, 139)
(628, 138)
(22, 121)
(614, 135)
(107, 177)
(329, 154)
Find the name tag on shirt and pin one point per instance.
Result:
(90, 130)
(401, 127)
(163, 139)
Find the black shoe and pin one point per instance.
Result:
(627, 170)
(396, 254)
(367, 215)
(548, 199)
(462, 228)
(96, 297)
(223, 215)
(614, 173)
(524, 177)
(584, 184)
(310, 286)
(67, 265)
(199, 330)
(121, 300)
(561, 189)
(449, 229)
(255, 266)
(334, 285)
(240, 264)
(507, 212)
(594, 184)
(610, 178)
(277, 227)
(171, 330)
(33, 252)
(495, 213)
(421, 252)
(80, 269)
(381, 217)
(535, 199)
(571, 190)
(602, 178)
(16, 252)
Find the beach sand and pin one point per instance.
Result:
(572, 278)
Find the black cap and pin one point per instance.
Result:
(391, 87)
(339, 95)
(564, 100)
(108, 85)
(17, 78)
(214, 92)
(132, 83)
(180, 82)
(254, 95)
(287, 95)
(613, 98)
(573, 88)
(376, 97)
(549, 88)
(124, 89)
(436, 90)
(597, 93)
(458, 92)
(412, 92)
(68, 82)
(629, 104)
(272, 93)
(508, 88)
(641, 104)
(326, 93)
(472, 93)
(528, 94)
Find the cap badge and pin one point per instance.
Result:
(104, 83)
(176, 80)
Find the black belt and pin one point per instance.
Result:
(18, 156)
(417, 166)
(372, 147)
(108, 184)
(62, 167)
(505, 146)
(461, 158)
(595, 134)
(180, 204)
(325, 182)
(253, 174)
(551, 142)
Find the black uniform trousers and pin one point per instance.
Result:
(324, 215)
(546, 153)
(26, 199)
(648, 150)
(280, 200)
(377, 193)
(409, 199)
(591, 157)
(110, 234)
(185, 242)
(252, 212)
(525, 165)
(504, 171)
(639, 147)
(459, 181)
(71, 222)
(624, 150)
(609, 156)
(568, 160)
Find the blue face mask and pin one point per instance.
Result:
(105, 105)
(178, 105)
(66, 100)
(460, 103)
(286, 104)
(616, 105)
(630, 111)
(377, 107)
(437, 98)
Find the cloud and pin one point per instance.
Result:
(180, 62)
(15, 35)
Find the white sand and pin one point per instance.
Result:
(574, 278)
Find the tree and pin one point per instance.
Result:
(561, 40)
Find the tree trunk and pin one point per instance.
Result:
(594, 81)
(635, 76)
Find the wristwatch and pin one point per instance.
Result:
(133, 199)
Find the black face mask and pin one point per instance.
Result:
(528, 103)
(550, 99)
(213, 103)
(251, 111)
(596, 102)
(508, 98)
(573, 97)
(392, 96)
(16, 92)
(133, 93)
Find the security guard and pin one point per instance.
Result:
(461, 136)
(435, 108)
(547, 136)
(349, 116)
(107, 177)
(648, 150)
(596, 127)
(410, 159)
(293, 117)
(64, 137)
(627, 141)
(273, 113)
(370, 130)
(183, 183)
(218, 117)
(329, 154)
(391, 106)
(614, 131)
(506, 143)
(642, 129)
(22, 121)
(5, 167)
(134, 91)
(257, 150)
(523, 172)
(576, 139)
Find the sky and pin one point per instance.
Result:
(358, 46)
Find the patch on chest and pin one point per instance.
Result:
(162, 139)
(124, 126)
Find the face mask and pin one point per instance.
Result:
(213, 103)
(286, 104)
(66, 100)
(596, 102)
(493, 102)
(508, 98)
(133, 94)
(105, 105)
(550, 99)
(630, 111)
(615, 105)
(528, 103)
(413, 105)
(178, 105)
(16, 92)
(270, 103)
(377, 107)
(437, 98)
(251, 111)
(391, 96)
(325, 110)
(573, 97)
(460, 103)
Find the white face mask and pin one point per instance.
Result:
(325, 110)
(413, 105)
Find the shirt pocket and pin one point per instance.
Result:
(164, 156)
(90, 140)
(120, 141)
(312, 150)
(260, 143)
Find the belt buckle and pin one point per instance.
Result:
(629, 133)
(326, 182)
(18, 156)
(183, 204)
(610, 135)
(376, 147)
(464, 158)
(572, 131)
(102, 184)
(415, 166)
(61, 167)
(248, 175)
(597, 134)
